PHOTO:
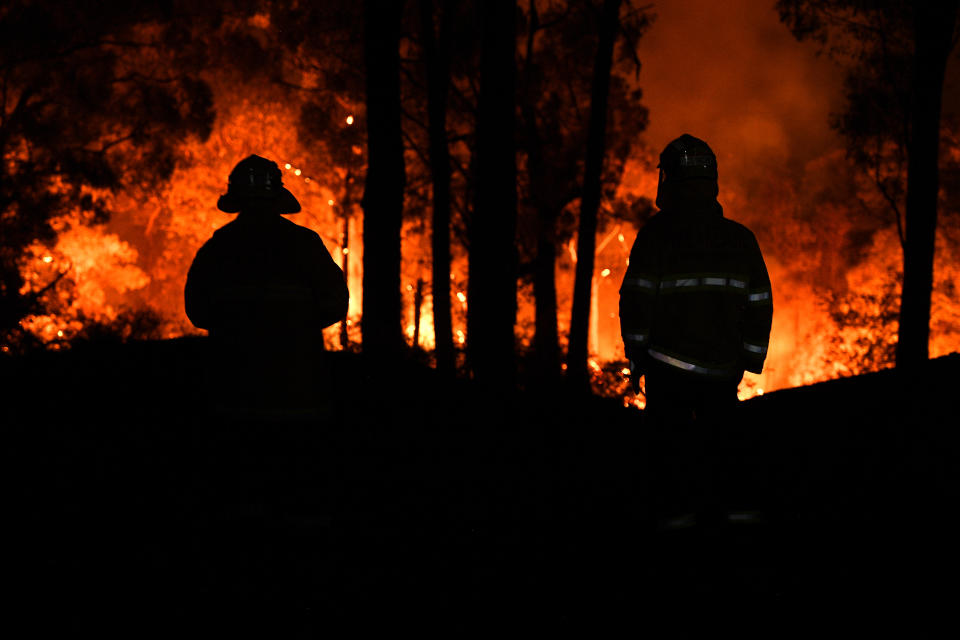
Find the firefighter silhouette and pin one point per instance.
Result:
(695, 312)
(265, 287)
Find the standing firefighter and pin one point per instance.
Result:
(695, 312)
(265, 288)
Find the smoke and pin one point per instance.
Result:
(729, 73)
(732, 74)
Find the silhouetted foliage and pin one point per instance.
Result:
(870, 319)
(897, 54)
(130, 324)
(608, 27)
(94, 97)
(557, 57)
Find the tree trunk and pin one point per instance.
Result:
(492, 286)
(546, 345)
(438, 83)
(933, 37)
(417, 312)
(546, 348)
(590, 200)
(386, 178)
(345, 205)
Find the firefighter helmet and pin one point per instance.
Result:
(258, 181)
(685, 158)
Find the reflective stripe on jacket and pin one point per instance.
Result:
(696, 295)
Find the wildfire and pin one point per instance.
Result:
(140, 258)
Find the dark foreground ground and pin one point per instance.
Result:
(424, 507)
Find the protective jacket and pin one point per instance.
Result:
(265, 288)
(696, 296)
(262, 271)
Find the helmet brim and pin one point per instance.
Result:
(284, 201)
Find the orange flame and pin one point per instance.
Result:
(140, 258)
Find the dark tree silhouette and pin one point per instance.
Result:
(554, 95)
(492, 286)
(436, 50)
(552, 171)
(904, 47)
(590, 200)
(324, 41)
(548, 202)
(934, 38)
(91, 97)
(386, 178)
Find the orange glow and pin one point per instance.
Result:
(139, 260)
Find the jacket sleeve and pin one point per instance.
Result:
(758, 313)
(330, 285)
(197, 292)
(637, 297)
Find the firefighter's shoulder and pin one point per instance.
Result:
(225, 231)
(298, 231)
(739, 231)
(654, 225)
